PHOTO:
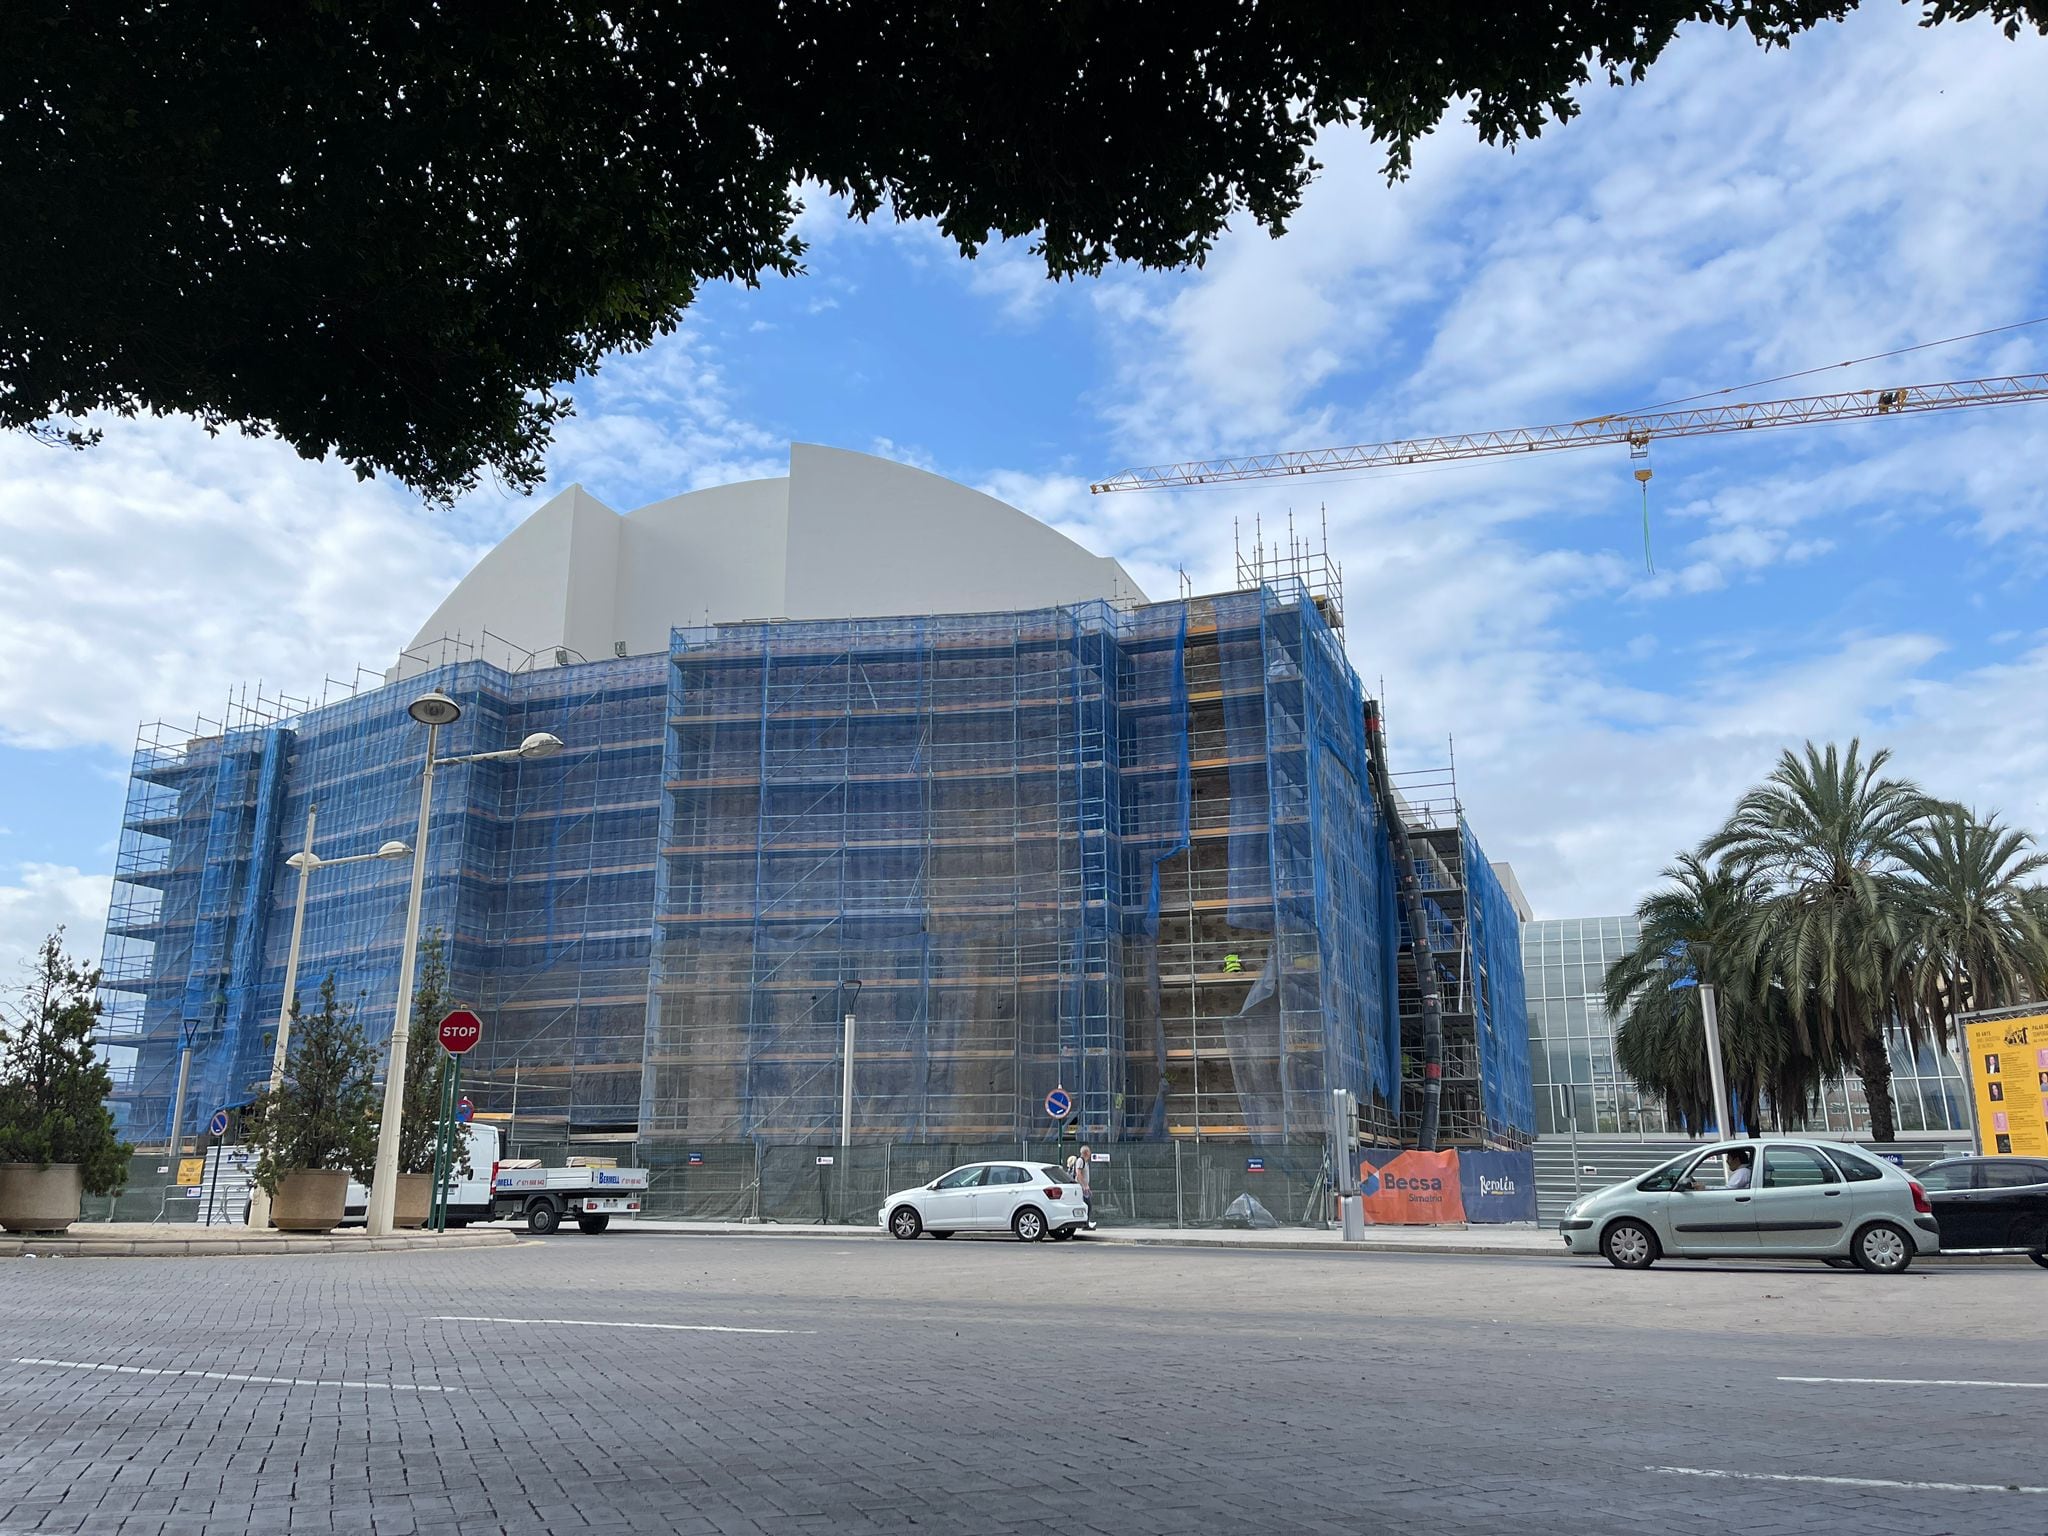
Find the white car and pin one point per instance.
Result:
(1029, 1199)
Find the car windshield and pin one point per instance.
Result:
(1664, 1176)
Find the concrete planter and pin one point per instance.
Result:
(35, 1199)
(410, 1200)
(309, 1200)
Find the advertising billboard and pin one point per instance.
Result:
(2009, 1079)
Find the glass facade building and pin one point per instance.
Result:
(1579, 1088)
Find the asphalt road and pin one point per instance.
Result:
(763, 1384)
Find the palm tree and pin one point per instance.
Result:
(1699, 922)
(1975, 933)
(1827, 836)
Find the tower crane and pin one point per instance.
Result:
(1635, 430)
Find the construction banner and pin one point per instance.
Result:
(1497, 1186)
(2009, 1073)
(1411, 1188)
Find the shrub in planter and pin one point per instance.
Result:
(56, 1134)
(431, 1002)
(322, 1118)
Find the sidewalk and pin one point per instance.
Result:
(1504, 1241)
(161, 1240)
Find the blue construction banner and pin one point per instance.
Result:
(1498, 1186)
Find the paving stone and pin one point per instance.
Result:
(990, 1386)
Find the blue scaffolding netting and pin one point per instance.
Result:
(1134, 853)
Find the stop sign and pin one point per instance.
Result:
(460, 1030)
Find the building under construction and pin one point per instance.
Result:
(1068, 839)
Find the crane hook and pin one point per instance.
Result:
(1639, 451)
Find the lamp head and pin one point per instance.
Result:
(395, 850)
(540, 744)
(304, 861)
(434, 709)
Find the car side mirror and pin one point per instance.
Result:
(933, 1185)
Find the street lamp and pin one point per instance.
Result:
(433, 710)
(851, 992)
(305, 862)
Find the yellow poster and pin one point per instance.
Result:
(2009, 1071)
(191, 1170)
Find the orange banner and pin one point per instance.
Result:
(1412, 1189)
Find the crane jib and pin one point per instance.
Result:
(1635, 430)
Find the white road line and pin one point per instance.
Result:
(585, 1322)
(1907, 1381)
(274, 1381)
(1848, 1482)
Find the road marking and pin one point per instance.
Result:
(1907, 1381)
(585, 1322)
(274, 1381)
(1848, 1482)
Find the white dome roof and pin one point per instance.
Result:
(843, 535)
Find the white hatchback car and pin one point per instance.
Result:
(1029, 1199)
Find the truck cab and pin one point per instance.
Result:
(469, 1194)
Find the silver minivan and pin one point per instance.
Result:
(1774, 1197)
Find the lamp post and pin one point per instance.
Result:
(850, 993)
(305, 862)
(1710, 1017)
(433, 710)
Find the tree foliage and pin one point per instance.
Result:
(394, 232)
(431, 1002)
(53, 1082)
(323, 1113)
(1837, 908)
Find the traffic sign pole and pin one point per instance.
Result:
(460, 1031)
(434, 1202)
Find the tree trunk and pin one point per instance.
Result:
(1874, 1066)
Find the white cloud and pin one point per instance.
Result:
(1739, 215)
(152, 575)
(159, 570)
(42, 898)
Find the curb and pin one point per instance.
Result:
(1191, 1239)
(220, 1247)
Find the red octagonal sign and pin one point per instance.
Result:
(460, 1030)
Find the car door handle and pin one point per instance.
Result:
(1831, 1193)
(1742, 1199)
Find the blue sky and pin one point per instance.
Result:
(1738, 216)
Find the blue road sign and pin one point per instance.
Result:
(1059, 1104)
(464, 1109)
(218, 1125)
(696, 1159)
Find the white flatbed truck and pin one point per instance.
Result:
(591, 1194)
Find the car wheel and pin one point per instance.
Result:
(1063, 1235)
(593, 1223)
(1028, 1224)
(942, 1234)
(1629, 1245)
(905, 1223)
(2040, 1259)
(1883, 1249)
(541, 1216)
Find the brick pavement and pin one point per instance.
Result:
(989, 1386)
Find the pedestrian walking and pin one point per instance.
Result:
(1084, 1162)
